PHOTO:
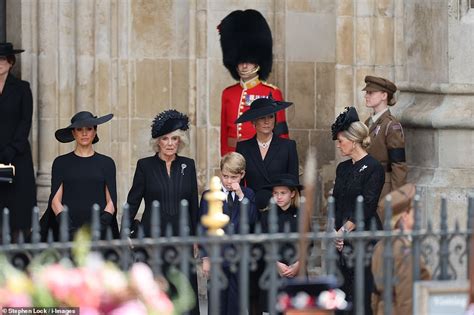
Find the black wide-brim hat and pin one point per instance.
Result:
(246, 37)
(288, 180)
(168, 121)
(343, 121)
(79, 120)
(6, 49)
(262, 107)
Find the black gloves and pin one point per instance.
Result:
(106, 218)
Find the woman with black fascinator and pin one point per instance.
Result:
(168, 178)
(360, 175)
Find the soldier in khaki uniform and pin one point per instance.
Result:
(386, 134)
(402, 290)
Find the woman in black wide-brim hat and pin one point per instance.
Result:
(16, 111)
(360, 175)
(80, 179)
(266, 155)
(168, 178)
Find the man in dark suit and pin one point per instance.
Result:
(232, 172)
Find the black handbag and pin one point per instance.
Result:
(7, 173)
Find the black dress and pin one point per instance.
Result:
(152, 182)
(363, 178)
(16, 110)
(84, 180)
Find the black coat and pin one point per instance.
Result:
(281, 158)
(363, 178)
(151, 182)
(16, 110)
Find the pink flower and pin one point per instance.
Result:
(130, 307)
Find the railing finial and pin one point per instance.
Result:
(215, 220)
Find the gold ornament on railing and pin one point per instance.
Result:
(215, 220)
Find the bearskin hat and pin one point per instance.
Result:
(246, 37)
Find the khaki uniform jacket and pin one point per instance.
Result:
(388, 147)
(402, 300)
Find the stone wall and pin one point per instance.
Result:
(135, 58)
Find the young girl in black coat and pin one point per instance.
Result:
(286, 193)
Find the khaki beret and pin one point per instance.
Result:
(402, 200)
(374, 84)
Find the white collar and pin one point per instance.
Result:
(375, 117)
(226, 191)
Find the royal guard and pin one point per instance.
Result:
(246, 42)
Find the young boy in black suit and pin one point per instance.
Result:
(232, 171)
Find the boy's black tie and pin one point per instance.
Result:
(230, 200)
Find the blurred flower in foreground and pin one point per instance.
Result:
(94, 285)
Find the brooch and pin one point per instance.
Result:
(183, 166)
(363, 168)
(377, 129)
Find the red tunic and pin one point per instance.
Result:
(236, 100)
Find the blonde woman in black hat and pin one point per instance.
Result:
(168, 178)
(16, 110)
(246, 42)
(386, 133)
(403, 217)
(266, 155)
(360, 175)
(82, 178)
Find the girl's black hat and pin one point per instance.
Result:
(288, 180)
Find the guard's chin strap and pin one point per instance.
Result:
(246, 74)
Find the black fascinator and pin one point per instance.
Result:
(343, 121)
(168, 121)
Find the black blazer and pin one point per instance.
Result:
(281, 158)
(151, 182)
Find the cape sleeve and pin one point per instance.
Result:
(48, 220)
(111, 184)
